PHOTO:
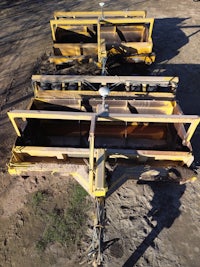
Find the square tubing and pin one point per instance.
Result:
(91, 156)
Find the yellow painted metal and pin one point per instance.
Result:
(78, 51)
(12, 119)
(13, 171)
(50, 94)
(185, 157)
(18, 167)
(62, 115)
(143, 81)
(191, 131)
(100, 193)
(83, 181)
(107, 79)
(57, 60)
(148, 59)
(81, 14)
(100, 188)
(38, 151)
(99, 42)
(91, 157)
(95, 21)
(177, 119)
(26, 159)
(81, 20)
(58, 152)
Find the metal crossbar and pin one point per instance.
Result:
(193, 120)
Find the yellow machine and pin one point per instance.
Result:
(100, 118)
(101, 36)
(91, 121)
(100, 121)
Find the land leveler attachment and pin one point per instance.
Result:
(100, 123)
(104, 37)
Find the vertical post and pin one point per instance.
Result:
(52, 30)
(99, 188)
(150, 29)
(12, 119)
(91, 156)
(99, 40)
(190, 131)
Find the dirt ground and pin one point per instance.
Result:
(150, 224)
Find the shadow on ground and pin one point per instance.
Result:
(165, 209)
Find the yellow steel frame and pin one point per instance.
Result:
(96, 182)
(167, 80)
(111, 17)
(55, 23)
(63, 152)
(145, 81)
(95, 185)
(193, 120)
(48, 95)
(82, 14)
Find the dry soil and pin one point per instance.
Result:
(150, 224)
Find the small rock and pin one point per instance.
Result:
(20, 222)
